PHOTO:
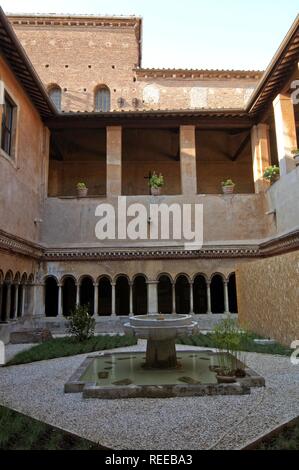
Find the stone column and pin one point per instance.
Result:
(226, 302)
(60, 300)
(261, 157)
(209, 304)
(188, 160)
(131, 298)
(114, 151)
(191, 299)
(152, 296)
(96, 298)
(173, 299)
(113, 310)
(8, 302)
(16, 301)
(286, 138)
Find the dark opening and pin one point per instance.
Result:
(139, 296)
(105, 297)
(232, 294)
(12, 301)
(122, 296)
(182, 295)
(4, 302)
(164, 295)
(51, 297)
(200, 295)
(68, 296)
(87, 294)
(20, 300)
(217, 294)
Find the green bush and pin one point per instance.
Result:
(81, 324)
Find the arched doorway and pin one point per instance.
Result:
(51, 297)
(69, 291)
(122, 296)
(217, 294)
(139, 295)
(105, 297)
(164, 294)
(87, 293)
(200, 303)
(182, 295)
(232, 294)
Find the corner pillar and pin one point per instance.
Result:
(285, 127)
(261, 157)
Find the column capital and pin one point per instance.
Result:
(152, 282)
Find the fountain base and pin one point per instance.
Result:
(161, 354)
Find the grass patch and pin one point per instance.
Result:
(20, 432)
(288, 439)
(246, 344)
(62, 347)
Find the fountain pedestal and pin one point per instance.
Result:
(161, 332)
(161, 354)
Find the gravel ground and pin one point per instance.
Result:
(175, 424)
(12, 349)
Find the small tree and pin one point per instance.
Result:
(81, 324)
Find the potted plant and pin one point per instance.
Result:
(272, 173)
(295, 152)
(156, 182)
(82, 190)
(228, 186)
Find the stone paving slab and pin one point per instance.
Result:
(220, 422)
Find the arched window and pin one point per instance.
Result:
(102, 99)
(55, 95)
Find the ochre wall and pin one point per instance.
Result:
(268, 297)
(22, 180)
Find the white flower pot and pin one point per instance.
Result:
(155, 191)
(228, 189)
(82, 192)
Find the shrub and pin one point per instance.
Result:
(81, 324)
(227, 339)
(271, 173)
(228, 182)
(156, 181)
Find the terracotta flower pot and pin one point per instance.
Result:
(155, 191)
(228, 189)
(274, 179)
(82, 192)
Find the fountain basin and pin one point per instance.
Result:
(160, 331)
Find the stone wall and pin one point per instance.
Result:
(268, 297)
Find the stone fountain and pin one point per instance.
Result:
(160, 331)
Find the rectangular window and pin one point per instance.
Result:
(7, 125)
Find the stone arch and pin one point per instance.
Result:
(104, 295)
(200, 300)
(165, 293)
(122, 295)
(86, 292)
(182, 294)
(232, 293)
(217, 293)
(51, 296)
(140, 302)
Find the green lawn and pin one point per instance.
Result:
(61, 347)
(288, 439)
(247, 344)
(20, 432)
